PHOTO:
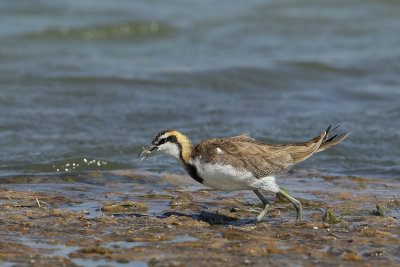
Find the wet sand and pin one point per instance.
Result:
(117, 219)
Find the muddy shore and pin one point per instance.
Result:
(117, 219)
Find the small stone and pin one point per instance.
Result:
(180, 201)
(350, 256)
(331, 217)
(247, 261)
(96, 250)
(381, 209)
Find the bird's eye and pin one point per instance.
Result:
(162, 141)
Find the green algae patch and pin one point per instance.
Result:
(331, 217)
(155, 196)
(124, 207)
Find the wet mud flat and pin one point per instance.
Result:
(131, 218)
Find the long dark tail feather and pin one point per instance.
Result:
(327, 132)
(330, 141)
(302, 151)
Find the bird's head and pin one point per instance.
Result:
(169, 142)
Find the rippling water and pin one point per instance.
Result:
(85, 84)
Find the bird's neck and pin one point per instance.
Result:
(185, 157)
(186, 154)
(186, 147)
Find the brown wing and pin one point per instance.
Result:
(261, 159)
(258, 158)
(302, 151)
(243, 137)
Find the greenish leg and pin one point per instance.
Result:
(296, 204)
(266, 205)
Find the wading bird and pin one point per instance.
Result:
(239, 162)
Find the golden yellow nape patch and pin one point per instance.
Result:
(185, 143)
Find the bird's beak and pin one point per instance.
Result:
(147, 151)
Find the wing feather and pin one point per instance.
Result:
(245, 154)
(261, 159)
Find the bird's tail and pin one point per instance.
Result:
(302, 151)
(331, 141)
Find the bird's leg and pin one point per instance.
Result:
(266, 205)
(295, 202)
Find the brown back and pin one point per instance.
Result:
(261, 159)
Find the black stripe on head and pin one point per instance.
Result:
(159, 135)
(172, 139)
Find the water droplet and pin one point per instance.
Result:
(153, 26)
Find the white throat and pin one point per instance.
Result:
(170, 149)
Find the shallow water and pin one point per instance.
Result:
(90, 82)
(66, 222)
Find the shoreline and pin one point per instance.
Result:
(150, 219)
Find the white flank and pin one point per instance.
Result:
(226, 177)
(219, 150)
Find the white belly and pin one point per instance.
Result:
(226, 177)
